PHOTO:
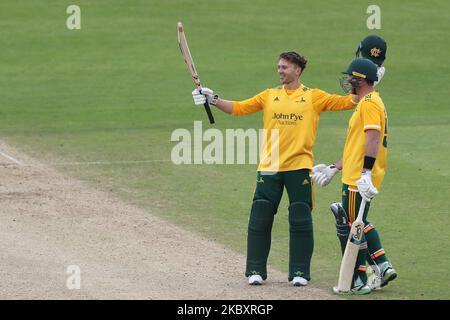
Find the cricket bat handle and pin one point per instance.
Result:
(208, 112)
(362, 207)
(206, 104)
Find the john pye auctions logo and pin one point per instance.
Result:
(284, 116)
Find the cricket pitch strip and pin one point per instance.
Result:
(50, 221)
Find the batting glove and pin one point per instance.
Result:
(323, 174)
(365, 186)
(380, 74)
(200, 98)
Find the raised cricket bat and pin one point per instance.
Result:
(190, 64)
(351, 251)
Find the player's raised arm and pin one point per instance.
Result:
(324, 101)
(238, 108)
(208, 95)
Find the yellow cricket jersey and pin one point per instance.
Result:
(290, 122)
(370, 114)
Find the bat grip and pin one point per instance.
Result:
(362, 207)
(208, 112)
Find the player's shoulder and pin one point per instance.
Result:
(268, 91)
(306, 89)
(316, 92)
(373, 97)
(373, 100)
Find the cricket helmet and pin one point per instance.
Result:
(373, 48)
(360, 69)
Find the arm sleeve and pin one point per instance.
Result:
(251, 105)
(324, 101)
(371, 116)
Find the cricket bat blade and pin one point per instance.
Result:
(351, 252)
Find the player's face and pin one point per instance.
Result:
(350, 84)
(288, 71)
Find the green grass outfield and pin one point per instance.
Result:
(116, 89)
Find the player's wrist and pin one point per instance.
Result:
(214, 100)
(369, 162)
(334, 166)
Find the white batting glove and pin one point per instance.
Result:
(365, 186)
(380, 74)
(323, 174)
(200, 98)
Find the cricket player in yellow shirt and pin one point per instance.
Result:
(363, 167)
(291, 115)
